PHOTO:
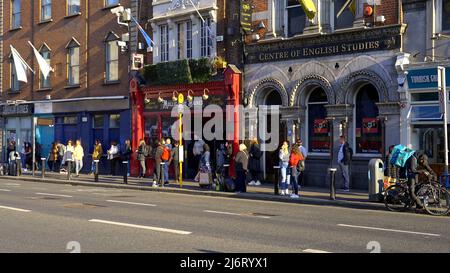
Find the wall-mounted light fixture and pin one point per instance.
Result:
(175, 96)
(205, 94)
(190, 97)
(160, 99)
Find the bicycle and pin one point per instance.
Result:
(435, 198)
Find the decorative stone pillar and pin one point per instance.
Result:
(325, 16)
(314, 26)
(290, 115)
(196, 28)
(389, 114)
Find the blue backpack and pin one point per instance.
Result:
(400, 154)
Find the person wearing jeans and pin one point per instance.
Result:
(344, 158)
(284, 164)
(78, 155)
(295, 164)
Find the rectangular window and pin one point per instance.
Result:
(421, 97)
(164, 43)
(296, 18)
(114, 121)
(205, 38)
(70, 120)
(446, 15)
(45, 83)
(184, 38)
(346, 18)
(111, 2)
(112, 61)
(15, 85)
(97, 121)
(73, 7)
(74, 66)
(15, 14)
(425, 113)
(46, 10)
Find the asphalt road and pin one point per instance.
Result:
(40, 217)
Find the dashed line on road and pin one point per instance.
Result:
(174, 231)
(15, 209)
(391, 230)
(314, 251)
(236, 214)
(52, 194)
(5, 190)
(12, 184)
(131, 203)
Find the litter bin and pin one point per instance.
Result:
(376, 177)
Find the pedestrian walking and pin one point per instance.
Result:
(37, 156)
(61, 152)
(52, 157)
(157, 176)
(78, 155)
(113, 157)
(175, 158)
(241, 168)
(255, 155)
(142, 154)
(166, 158)
(296, 166)
(68, 156)
(96, 155)
(283, 156)
(197, 151)
(301, 169)
(126, 155)
(344, 160)
(27, 156)
(205, 172)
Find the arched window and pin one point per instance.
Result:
(73, 62)
(367, 126)
(318, 127)
(112, 57)
(45, 53)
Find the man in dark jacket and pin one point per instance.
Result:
(175, 158)
(255, 155)
(344, 158)
(241, 167)
(157, 177)
(409, 171)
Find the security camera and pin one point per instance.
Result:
(117, 11)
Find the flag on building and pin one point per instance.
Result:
(20, 65)
(147, 38)
(43, 65)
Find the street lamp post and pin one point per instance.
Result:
(180, 132)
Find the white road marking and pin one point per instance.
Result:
(236, 214)
(16, 209)
(51, 194)
(314, 251)
(4, 190)
(131, 203)
(391, 230)
(12, 184)
(174, 231)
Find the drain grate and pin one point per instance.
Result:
(83, 206)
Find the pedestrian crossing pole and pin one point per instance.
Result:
(180, 131)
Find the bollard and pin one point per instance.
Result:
(43, 167)
(125, 172)
(96, 171)
(18, 169)
(69, 168)
(277, 180)
(161, 173)
(332, 183)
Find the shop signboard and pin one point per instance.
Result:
(425, 78)
(16, 110)
(320, 126)
(246, 16)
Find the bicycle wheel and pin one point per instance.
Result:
(436, 200)
(396, 198)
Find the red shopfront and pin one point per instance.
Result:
(151, 116)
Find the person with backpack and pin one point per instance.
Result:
(142, 153)
(295, 163)
(255, 155)
(166, 159)
(157, 176)
(344, 160)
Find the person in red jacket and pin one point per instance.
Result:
(295, 160)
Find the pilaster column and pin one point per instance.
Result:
(325, 15)
(359, 15)
(313, 26)
(196, 28)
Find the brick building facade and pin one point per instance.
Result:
(86, 96)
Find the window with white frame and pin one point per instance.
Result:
(15, 14)
(205, 38)
(46, 10)
(15, 84)
(184, 40)
(73, 63)
(295, 18)
(445, 15)
(112, 61)
(164, 43)
(73, 7)
(346, 14)
(111, 2)
(45, 82)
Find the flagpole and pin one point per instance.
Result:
(204, 22)
(343, 8)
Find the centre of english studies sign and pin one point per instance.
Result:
(325, 45)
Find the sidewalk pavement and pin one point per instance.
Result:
(265, 192)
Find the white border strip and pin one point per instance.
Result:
(174, 231)
(5, 190)
(51, 194)
(131, 203)
(15, 209)
(236, 214)
(391, 230)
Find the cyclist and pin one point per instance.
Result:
(425, 169)
(410, 172)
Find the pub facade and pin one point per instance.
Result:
(330, 76)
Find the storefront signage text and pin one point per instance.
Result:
(326, 45)
(246, 16)
(16, 110)
(425, 78)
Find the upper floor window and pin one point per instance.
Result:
(112, 57)
(164, 43)
(73, 7)
(184, 37)
(15, 14)
(111, 2)
(46, 10)
(295, 18)
(45, 82)
(15, 84)
(73, 62)
(446, 15)
(205, 38)
(346, 14)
